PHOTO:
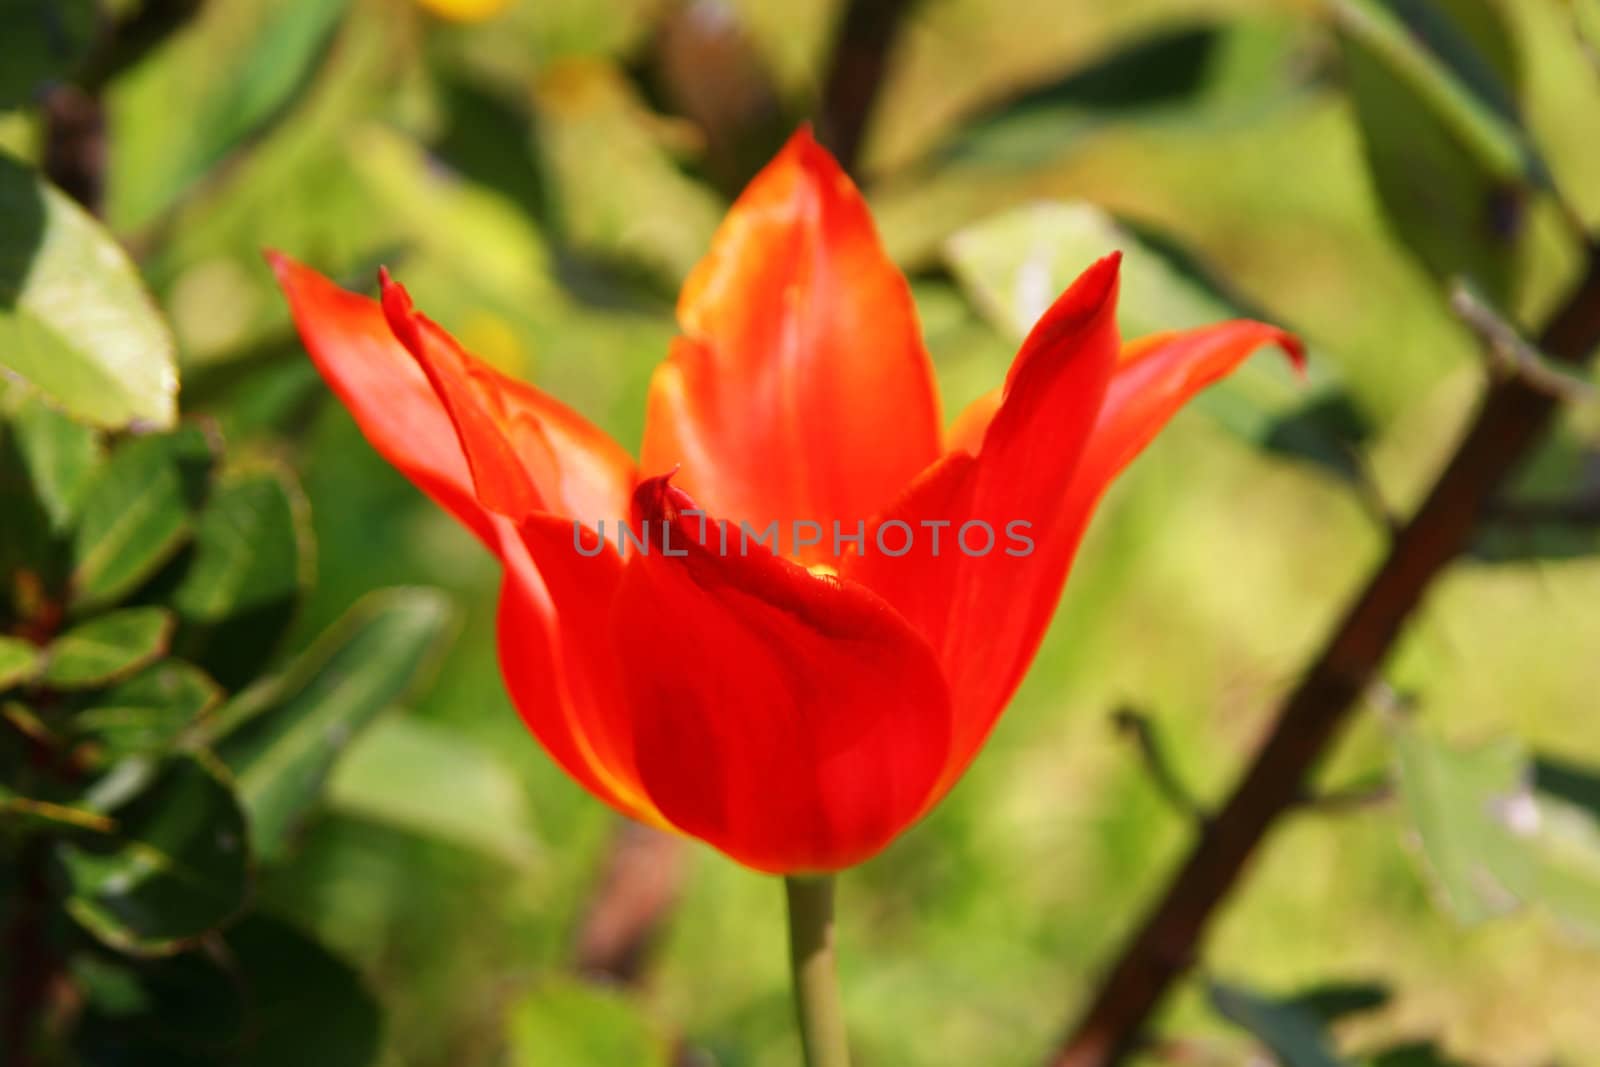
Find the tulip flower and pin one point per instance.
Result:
(795, 709)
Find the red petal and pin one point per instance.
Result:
(527, 451)
(558, 662)
(795, 722)
(985, 614)
(800, 389)
(351, 344)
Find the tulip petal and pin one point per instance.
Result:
(527, 451)
(984, 600)
(793, 721)
(800, 389)
(557, 659)
(392, 401)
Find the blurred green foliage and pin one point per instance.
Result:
(245, 843)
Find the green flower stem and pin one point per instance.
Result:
(816, 986)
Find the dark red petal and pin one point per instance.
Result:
(800, 389)
(793, 721)
(986, 613)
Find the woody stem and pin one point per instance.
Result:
(816, 985)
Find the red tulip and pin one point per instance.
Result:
(797, 710)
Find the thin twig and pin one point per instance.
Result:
(1510, 354)
(1511, 420)
(1137, 726)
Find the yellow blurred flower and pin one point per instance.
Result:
(464, 10)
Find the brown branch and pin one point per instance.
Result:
(859, 64)
(1511, 420)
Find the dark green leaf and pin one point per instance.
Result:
(1333, 1002)
(1452, 167)
(137, 513)
(283, 737)
(297, 988)
(1293, 1034)
(106, 648)
(62, 456)
(1419, 1054)
(148, 714)
(19, 662)
(176, 865)
(75, 319)
(580, 1025)
(252, 561)
(45, 41)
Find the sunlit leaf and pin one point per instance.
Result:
(578, 1025)
(19, 661)
(175, 866)
(137, 513)
(284, 736)
(75, 320)
(106, 648)
(412, 775)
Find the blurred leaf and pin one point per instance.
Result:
(1420, 1054)
(75, 320)
(297, 988)
(19, 661)
(580, 1025)
(1334, 1001)
(412, 775)
(252, 562)
(176, 865)
(239, 65)
(1292, 1033)
(136, 514)
(1498, 830)
(62, 456)
(106, 648)
(63, 819)
(147, 714)
(1465, 807)
(1015, 264)
(1452, 167)
(283, 737)
(45, 41)
(617, 194)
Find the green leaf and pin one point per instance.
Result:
(106, 648)
(1452, 167)
(175, 866)
(283, 737)
(19, 662)
(45, 41)
(1012, 266)
(241, 65)
(1468, 809)
(62, 456)
(412, 775)
(75, 319)
(150, 712)
(252, 563)
(299, 988)
(1292, 1033)
(137, 514)
(577, 1024)
(1417, 1054)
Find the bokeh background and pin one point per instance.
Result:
(543, 173)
